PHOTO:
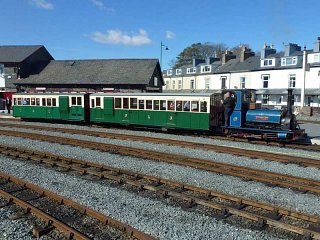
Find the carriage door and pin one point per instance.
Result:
(108, 106)
(171, 114)
(64, 107)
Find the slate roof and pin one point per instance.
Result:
(17, 54)
(105, 71)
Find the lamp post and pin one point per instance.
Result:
(161, 47)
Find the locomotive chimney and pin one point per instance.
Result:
(289, 102)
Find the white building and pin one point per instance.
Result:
(271, 74)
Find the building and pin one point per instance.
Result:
(19, 62)
(271, 74)
(111, 75)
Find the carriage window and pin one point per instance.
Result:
(133, 103)
(79, 101)
(54, 102)
(141, 104)
(48, 101)
(44, 103)
(92, 103)
(117, 103)
(33, 102)
(179, 106)
(98, 102)
(203, 106)
(171, 105)
(155, 104)
(14, 101)
(26, 101)
(195, 106)
(186, 106)
(125, 102)
(19, 101)
(148, 104)
(38, 101)
(73, 101)
(162, 104)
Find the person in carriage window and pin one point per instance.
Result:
(229, 103)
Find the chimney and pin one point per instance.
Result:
(291, 48)
(267, 50)
(227, 56)
(316, 45)
(245, 53)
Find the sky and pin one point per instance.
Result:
(112, 29)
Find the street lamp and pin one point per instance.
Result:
(165, 48)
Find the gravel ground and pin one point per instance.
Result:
(151, 216)
(227, 184)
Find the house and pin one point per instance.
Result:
(19, 62)
(271, 74)
(97, 75)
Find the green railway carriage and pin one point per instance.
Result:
(55, 106)
(184, 111)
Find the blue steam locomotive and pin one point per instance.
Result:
(250, 121)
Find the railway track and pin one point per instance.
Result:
(303, 161)
(301, 146)
(222, 205)
(52, 208)
(301, 184)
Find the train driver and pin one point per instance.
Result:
(229, 103)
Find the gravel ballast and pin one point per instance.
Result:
(150, 216)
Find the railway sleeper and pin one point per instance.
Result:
(39, 231)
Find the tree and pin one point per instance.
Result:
(199, 51)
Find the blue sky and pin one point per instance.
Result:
(90, 29)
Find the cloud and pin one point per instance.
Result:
(170, 35)
(99, 4)
(42, 4)
(118, 37)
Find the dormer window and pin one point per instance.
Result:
(267, 62)
(169, 72)
(191, 70)
(178, 71)
(288, 61)
(206, 68)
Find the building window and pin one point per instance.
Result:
(207, 83)
(206, 68)
(191, 70)
(265, 81)
(178, 71)
(167, 84)
(155, 81)
(173, 84)
(192, 84)
(316, 58)
(292, 81)
(223, 82)
(179, 84)
(288, 61)
(169, 72)
(1, 69)
(267, 62)
(242, 82)
(265, 98)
